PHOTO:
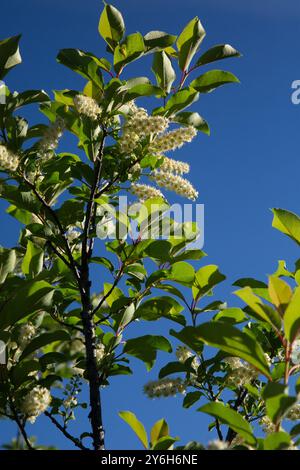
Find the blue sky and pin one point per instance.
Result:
(249, 164)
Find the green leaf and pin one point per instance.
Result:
(33, 296)
(165, 443)
(136, 426)
(159, 429)
(277, 400)
(219, 52)
(20, 373)
(277, 441)
(181, 272)
(83, 63)
(191, 398)
(27, 97)
(115, 294)
(143, 89)
(175, 368)
(111, 25)
(33, 260)
(288, 223)
(158, 307)
(193, 119)
(205, 279)
(264, 312)
(9, 54)
(234, 315)
(213, 79)
(145, 348)
(179, 101)
(189, 336)
(8, 260)
(44, 340)
(163, 70)
(258, 287)
(231, 418)
(226, 337)
(158, 40)
(131, 49)
(280, 293)
(188, 42)
(292, 316)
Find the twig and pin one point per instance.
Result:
(69, 436)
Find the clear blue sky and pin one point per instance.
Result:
(248, 165)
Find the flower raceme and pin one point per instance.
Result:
(8, 160)
(35, 403)
(50, 140)
(87, 106)
(176, 183)
(174, 139)
(144, 191)
(164, 388)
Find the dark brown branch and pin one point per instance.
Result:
(69, 436)
(87, 313)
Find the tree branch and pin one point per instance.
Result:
(69, 436)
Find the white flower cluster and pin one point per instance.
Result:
(27, 332)
(139, 125)
(294, 413)
(8, 160)
(50, 140)
(267, 425)
(240, 373)
(72, 235)
(217, 445)
(35, 403)
(174, 139)
(87, 106)
(183, 354)
(142, 124)
(295, 356)
(175, 183)
(70, 402)
(100, 352)
(144, 191)
(164, 388)
(174, 166)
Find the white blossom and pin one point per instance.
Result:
(35, 403)
(295, 356)
(217, 445)
(27, 332)
(144, 125)
(70, 402)
(175, 183)
(100, 352)
(8, 160)
(183, 354)
(164, 388)
(241, 373)
(294, 413)
(72, 235)
(144, 191)
(174, 139)
(128, 142)
(50, 140)
(87, 106)
(233, 362)
(267, 425)
(174, 166)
